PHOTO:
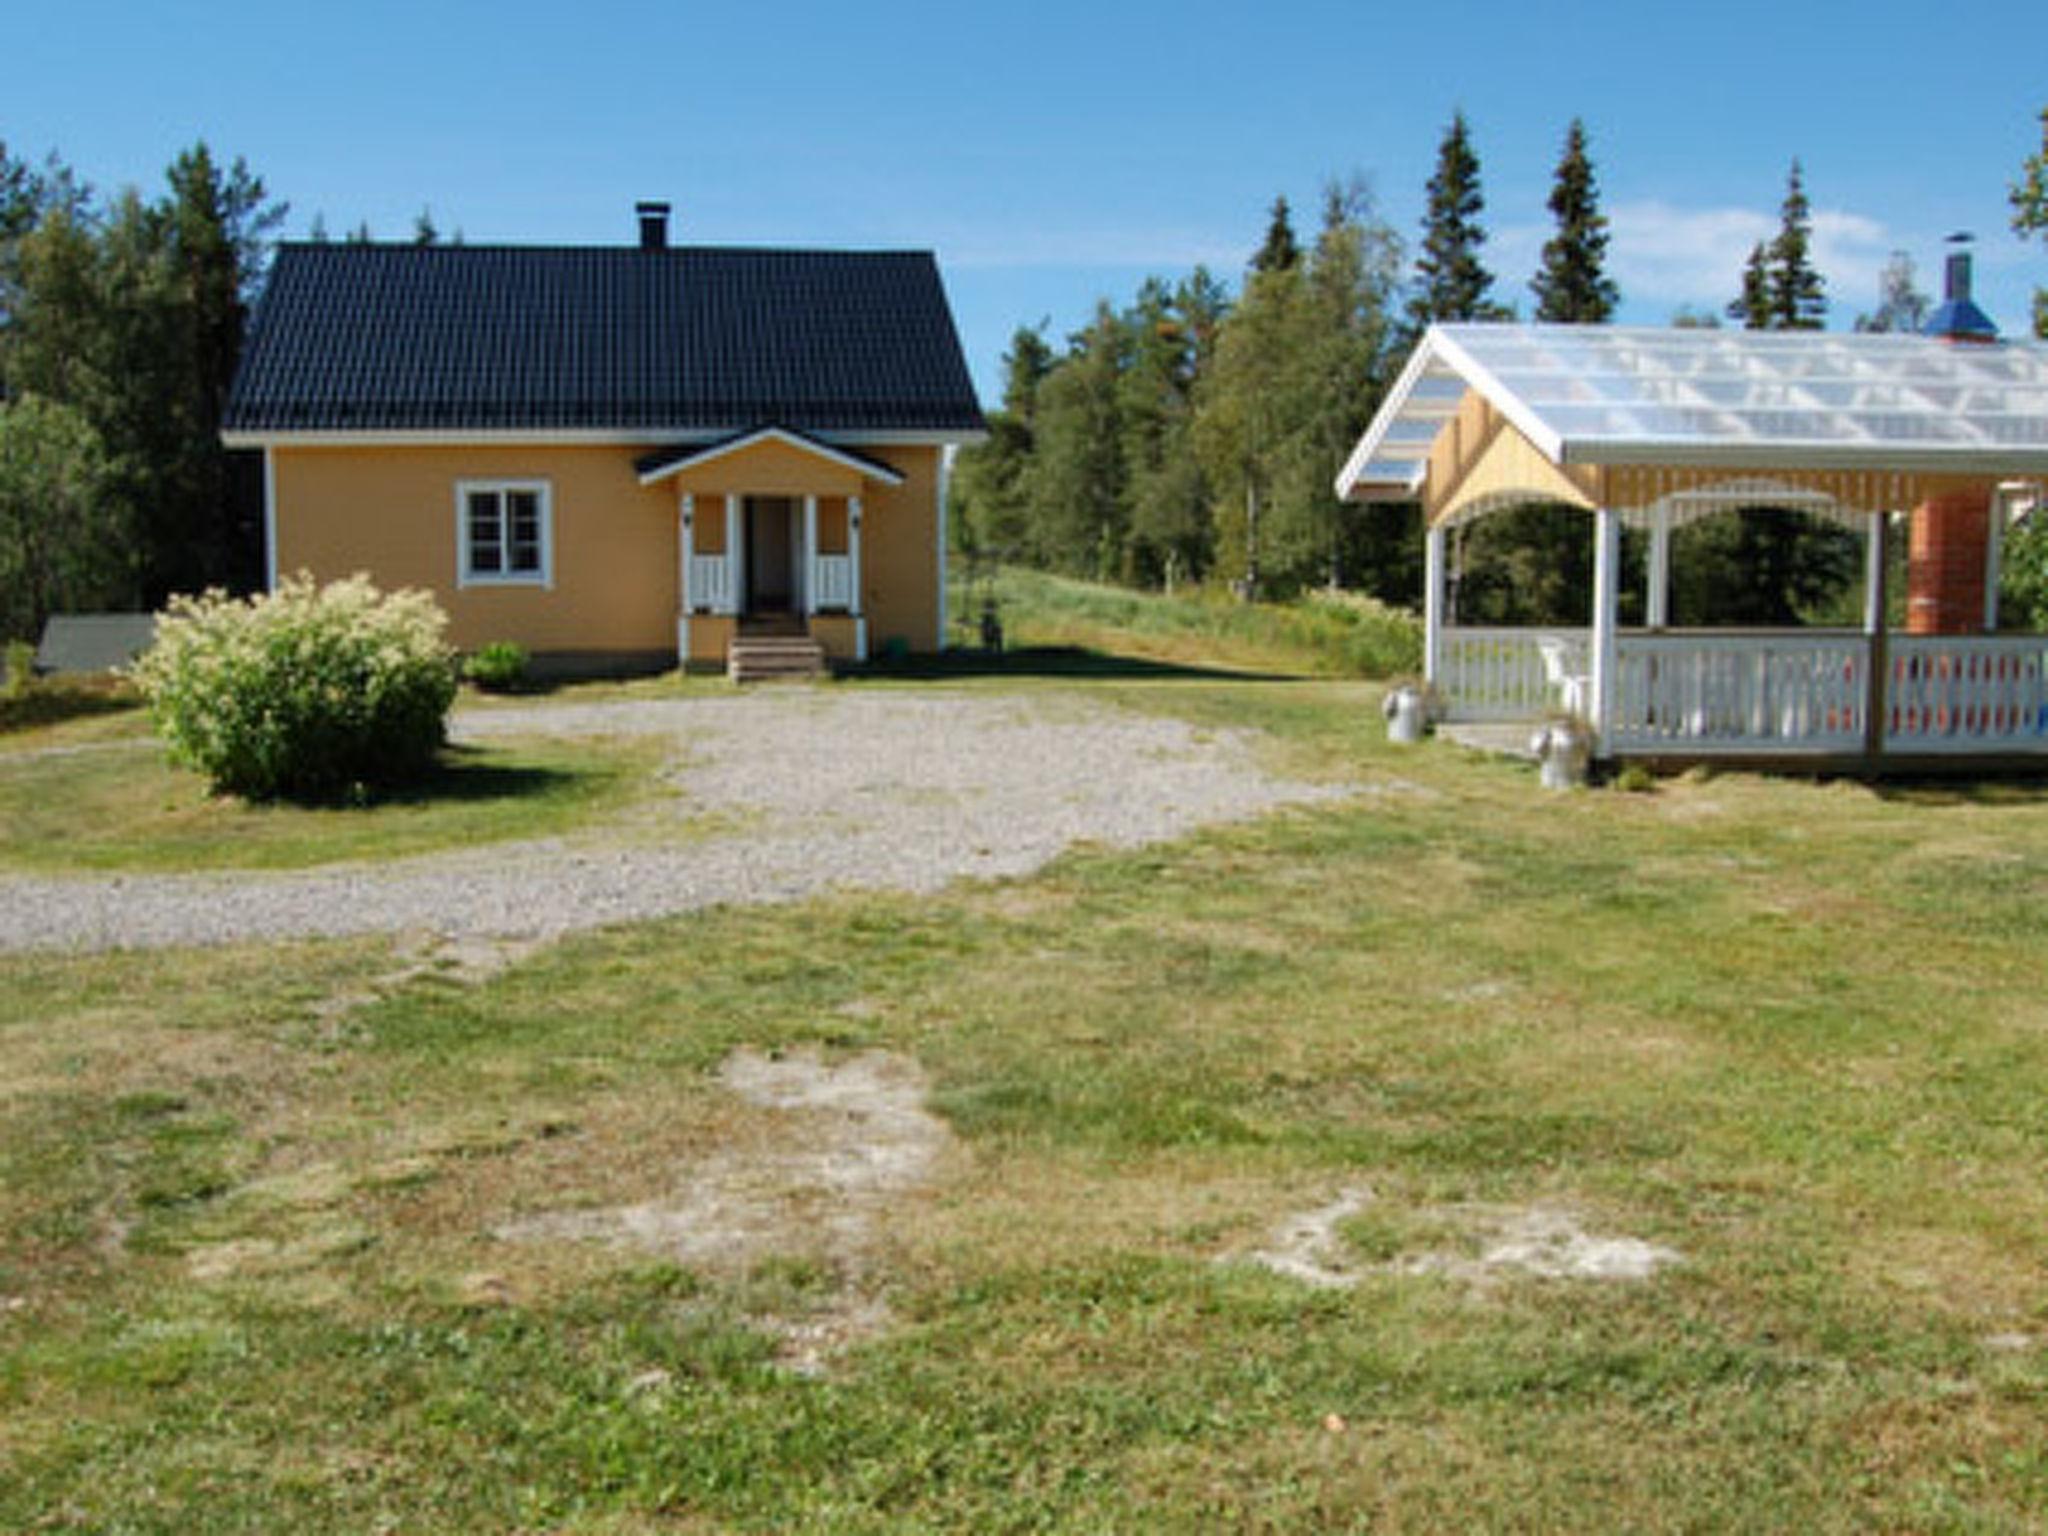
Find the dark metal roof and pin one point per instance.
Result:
(688, 339)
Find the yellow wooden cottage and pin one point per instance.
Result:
(631, 456)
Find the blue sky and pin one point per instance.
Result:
(1057, 151)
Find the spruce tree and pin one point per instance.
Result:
(1573, 287)
(1451, 283)
(1280, 251)
(1076, 481)
(1753, 305)
(989, 480)
(1798, 296)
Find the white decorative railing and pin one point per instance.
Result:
(1777, 692)
(711, 584)
(1501, 674)
(1956, 693)
(833, 575)
(1783, 691)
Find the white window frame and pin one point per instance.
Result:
(544, 494)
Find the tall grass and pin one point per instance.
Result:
(1320, 635)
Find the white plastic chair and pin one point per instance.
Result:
(1565, 671)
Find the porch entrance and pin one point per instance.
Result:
(771, 545)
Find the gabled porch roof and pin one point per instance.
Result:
(1618, 416)
(656, 467)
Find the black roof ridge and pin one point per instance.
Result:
(444, 247)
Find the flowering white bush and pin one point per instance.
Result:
(310, 692)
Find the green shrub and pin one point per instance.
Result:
(309, 693)
(499, 667)
(17, 668)
(2023, 567)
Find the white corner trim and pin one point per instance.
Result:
(945, 542)
(544, 578)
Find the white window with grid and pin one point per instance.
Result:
(504, 533)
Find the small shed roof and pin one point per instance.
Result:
(1715, 400)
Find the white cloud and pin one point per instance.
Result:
(1664, 255)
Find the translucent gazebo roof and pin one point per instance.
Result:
(1706, 399)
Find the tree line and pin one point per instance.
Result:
(1194, 434)
(121, 322)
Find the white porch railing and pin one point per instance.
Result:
(1500, 674)
(834, 577)
(1788, 691)
(711, 584)
(1968, 693)
(1747, 692)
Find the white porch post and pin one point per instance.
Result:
(1658, 608)
(810, 555)
(1994, 556)
(1433, 604)
(1606, 603)
(686, 543)
(854, 604)
(735, 561)
(1876, 635)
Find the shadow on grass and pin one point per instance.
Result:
(457, 778)
(1061, 661)
(54, 703)
(2020, 786)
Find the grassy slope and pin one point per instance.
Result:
(1791, 1030)
(1318, 636)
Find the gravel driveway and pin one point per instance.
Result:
(814, 788)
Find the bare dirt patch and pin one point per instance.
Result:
(844, 1148)
(1493, 1241)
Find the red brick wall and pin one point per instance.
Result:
(1945, 571)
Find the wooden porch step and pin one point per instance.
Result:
(774, 658)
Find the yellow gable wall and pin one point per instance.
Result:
(899, 547)
(392, 511)
(766, 469)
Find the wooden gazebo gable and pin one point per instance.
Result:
(1622, 417)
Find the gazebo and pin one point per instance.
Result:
(1652, 428)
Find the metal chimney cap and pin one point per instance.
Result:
(653, 225)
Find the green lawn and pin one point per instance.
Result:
(118, 804)
(1792, 1031)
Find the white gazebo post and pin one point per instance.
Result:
(1433, 606)
(810, 555)
(853, 602)
(1876, 635)
(686, 542)
(1657, 612)
(735, 566)
(1606, 603)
